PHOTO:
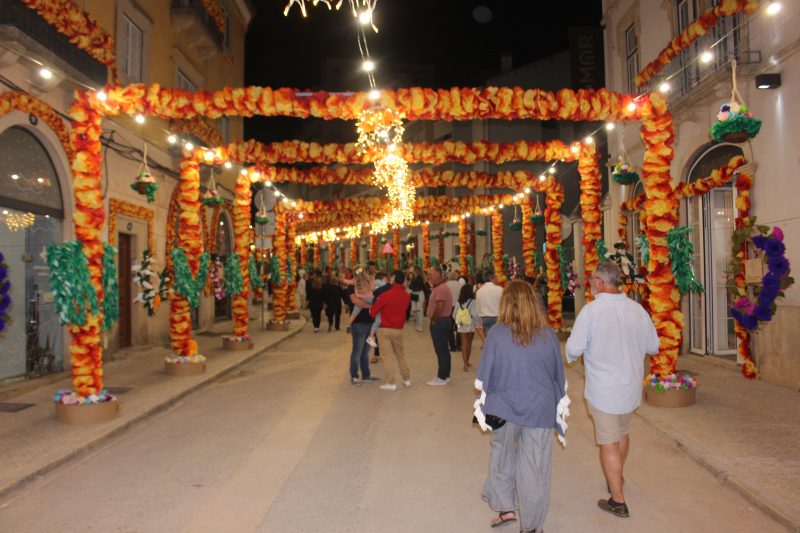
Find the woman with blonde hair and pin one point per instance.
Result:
(523, 399)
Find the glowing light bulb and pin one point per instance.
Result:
(228, 165)
(374, 94)
(368, 65)
(664, 87)
(632, 107)
(15, 176)
(589, 139)
(527, 190)
(542, 177)
(574, 149)
(102, 96)
(773, 8)
(243, 172)
(552, 170)
(610, 126)
(46, 73)
(365, 17)
(172, 139)
(139, 118)
(707, 56)
(277, 193)
(208, 155)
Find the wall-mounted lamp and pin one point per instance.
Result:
(768, 81)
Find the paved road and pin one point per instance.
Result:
(288, 445)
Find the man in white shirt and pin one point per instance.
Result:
(613, 333)
(487, 302)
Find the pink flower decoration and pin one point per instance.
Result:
(777, 233)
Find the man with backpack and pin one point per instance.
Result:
(440, 307)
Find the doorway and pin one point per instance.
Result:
(125, 329)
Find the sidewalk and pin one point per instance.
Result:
(744, 432)
(34, 443)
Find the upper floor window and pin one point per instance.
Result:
(631, 57)
(130, 50)
(185, 83)
(687, 12)
(226, 37)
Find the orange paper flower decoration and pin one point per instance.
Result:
(27, 103)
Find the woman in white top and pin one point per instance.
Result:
(465, 315)
(301, 289)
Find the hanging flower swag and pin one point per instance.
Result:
(144, 276)
(5, 297)
(773, 284)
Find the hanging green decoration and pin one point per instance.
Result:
(515, 226)
(538, 262)
(537, 218)
(505, 262)
(110, 287)
(480, 232)
(602, 251)
(185, 284)
(644, 249)
(680, 257)
(234, 282)
(471, 264)
(419, 262)
(74, 296)
(434, 261)
(165, 285)
(275, 271)
(562, 266)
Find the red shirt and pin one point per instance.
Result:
(392, 305)
(441, 293)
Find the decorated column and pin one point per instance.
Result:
(591, 189)
(318, 255)
(462, 248)
(397, 249)
(497, 247)
(241, 249)
(554, 199)
(471, 232)
(291, 265)
(278, 272)
(744, 183)
(441, 247)
(373, 248)
(528, 238)
(426, 245)
(353, 253)
(331, 253)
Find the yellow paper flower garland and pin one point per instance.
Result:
(241, 244)
(426, 246)
(528, 238)
(591, 188)
(500, 277)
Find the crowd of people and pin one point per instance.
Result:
(520, 376)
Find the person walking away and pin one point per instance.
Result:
(360, 294)
(392, 305)
(316, 300)
(613, 333)
(487, 298)
(333, 302)
(440, 309)
(417, 286)
(466, 317)
(454, 284)
(302, 278)
(523, 399)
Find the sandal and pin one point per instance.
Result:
(504, 521)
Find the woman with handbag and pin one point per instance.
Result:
(523, 393)
(465, 315)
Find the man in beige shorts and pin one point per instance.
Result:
(613, 333)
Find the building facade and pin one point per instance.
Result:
(191, 44)
(697, 81)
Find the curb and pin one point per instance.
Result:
(694, 453)
(161, 407)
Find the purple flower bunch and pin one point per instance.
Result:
(5, 297)
(774, 282)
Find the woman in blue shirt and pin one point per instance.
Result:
(521, 379)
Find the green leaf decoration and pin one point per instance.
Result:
(213, 200)
(234, 281)
(471, 264)
(562, 262)
(434, 261)
(419, 262)
(625, 178)
(262, 220)
(538, 261)
(535, 219)
(74, 296)
(149, 192)
(602, 250)
(644, 249)
(255, 277)
(480, 232)
(515, 226)
(110, 287)
(275, 270)
(187, 286)
(680, 257)
(739, 123)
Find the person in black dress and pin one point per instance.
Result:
(316, 300)
(333, 295)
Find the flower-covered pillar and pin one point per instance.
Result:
(441, 247)
(331, 253)
(528, 238)
(278, 270)
(497, 247)
(353, 253)
(744, 182)
(241, 247)
(426, 245)
(397, 250)
(373, 248)
(462, 247)
(86, 352)
(591, 189)
(291, 266)
(554, 199)
(318, 255)
(661, 215)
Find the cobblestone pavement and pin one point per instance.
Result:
(285, 444)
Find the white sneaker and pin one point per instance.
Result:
(355, 381)
(388, 386)
(371, 341)
(407, 382)
(437, 381)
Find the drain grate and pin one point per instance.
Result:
(118, 390)
(6, 407)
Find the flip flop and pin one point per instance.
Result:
(505, 521)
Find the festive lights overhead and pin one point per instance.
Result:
(378, 128)
(18, 221)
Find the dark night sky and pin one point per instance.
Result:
(290, 51)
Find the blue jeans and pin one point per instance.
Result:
(360, 354)
(440, 333)
(488, 322)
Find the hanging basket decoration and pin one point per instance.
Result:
(145, 183)
(537, 217)
(187, 286)
(255, 277)
(680, 258)
(774, 282)
(211, 195)
(74, 295)
(516, 224)
(144, 276)
(110, 287)
(734, 122)
(262, 215)
(5, 296)
(624, 173)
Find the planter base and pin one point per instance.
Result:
(184, 369)
(294, 315)
(228, 344)
(277, 326)
(670, 397)
(90, 413)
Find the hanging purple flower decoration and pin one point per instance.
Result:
(748, 314)
(5, 296)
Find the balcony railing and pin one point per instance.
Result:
(195, 25)
(22, 25)
(726, 41)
